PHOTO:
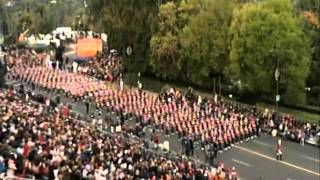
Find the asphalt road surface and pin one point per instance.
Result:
(254, 160)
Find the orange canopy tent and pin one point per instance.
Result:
(88, 47)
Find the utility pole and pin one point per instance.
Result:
(214, 86)
(219, 85)
(277, 78)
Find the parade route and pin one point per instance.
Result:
(254, 159)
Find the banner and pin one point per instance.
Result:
(88, 47)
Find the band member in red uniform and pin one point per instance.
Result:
(233, 175)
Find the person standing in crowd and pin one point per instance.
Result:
(139, 84)
(155, 137)
(47, 102)
(279, 150)
(211, 151)
(87, 103)
(258, 127)
(74, 67)
(302, 136)
(140, 87)
(48, 61)
(191, 146)
(57, 65)
(53, 64)
(185, 145)
(121, 83)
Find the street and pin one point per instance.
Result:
(253, 160)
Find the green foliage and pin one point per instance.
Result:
(164, 44)
(24, 22)
(38, 16)
(192, 43)
(307, 5)
(311, 11)
(263, 34)
(126, 22)
(188, 9)
(197, 40)
(205, 41)
(313, 81)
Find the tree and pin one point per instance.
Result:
(126, 22)
(164, 44)
(44, 16)
(311, 12)
(266, 34)
(192, 43)
(166, 55)
(205, 41)
(307, 5)
(24, 22)
(187, 9)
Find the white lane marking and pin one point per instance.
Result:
(274, 159)
(261, 143)
(312, 159)
(240, 162)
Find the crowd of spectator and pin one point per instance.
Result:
(43, 143)
(104, 67)
(286, 126)
(31, 59)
